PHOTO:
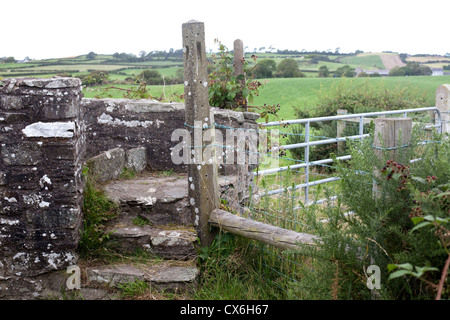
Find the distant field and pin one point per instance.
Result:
(304, 92)
(428, 58)
(431, 61)
(289, 93)
(365, 61)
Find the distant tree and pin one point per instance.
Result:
(323, 72)
(362, 74)
(288, 68)
(151, 77)
(10, 60)
(397, 72)
(95, 78)
(411, 69)
(91, 55)
(179, 74)
(345, 71)
(265, 69)
(403, 57)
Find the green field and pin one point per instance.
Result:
(369, 62)
(301, 93)
(77, 66)
(304, 92)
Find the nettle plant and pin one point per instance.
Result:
(226, 90)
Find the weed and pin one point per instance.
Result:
(130, 290)
(127, 173)
(97, 210)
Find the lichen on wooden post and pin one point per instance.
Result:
(202, 173)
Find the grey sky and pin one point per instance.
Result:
(52, 28)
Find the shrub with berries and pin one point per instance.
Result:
(429, 206)
(227, 91)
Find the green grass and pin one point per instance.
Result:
(299, 92)
(168, 91)
(371, 62)
(303, 92)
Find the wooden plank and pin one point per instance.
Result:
(275, 236)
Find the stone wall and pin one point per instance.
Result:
(42, 152)
(128, 124)
(48, 133)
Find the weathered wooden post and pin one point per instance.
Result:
(238, 57)
(202, 173)
(239, 63)
(391, 134)
(443, 105)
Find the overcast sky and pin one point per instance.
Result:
(59, 28)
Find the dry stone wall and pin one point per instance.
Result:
(41, 156)
(128, 124)
(49, 132)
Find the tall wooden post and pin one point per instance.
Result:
(443, 104)
(202, 173)
(239, 63)
(238, 57)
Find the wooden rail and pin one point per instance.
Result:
(275, 236)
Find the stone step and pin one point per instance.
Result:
(162, 203)
(161, 200)
(166, 276)
(177, 244)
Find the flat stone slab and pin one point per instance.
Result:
(115, 275)
(160, 276)
(177, 244)
(159, 199)
(148, 189)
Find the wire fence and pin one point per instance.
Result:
(296, 176)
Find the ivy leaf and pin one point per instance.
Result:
(398, 274)
(418, 179)
(391, 267)
(231, 95)
(422, 270)
(416, 220)
(406, 266)
(420, 225)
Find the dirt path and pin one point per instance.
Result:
(391, 61)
